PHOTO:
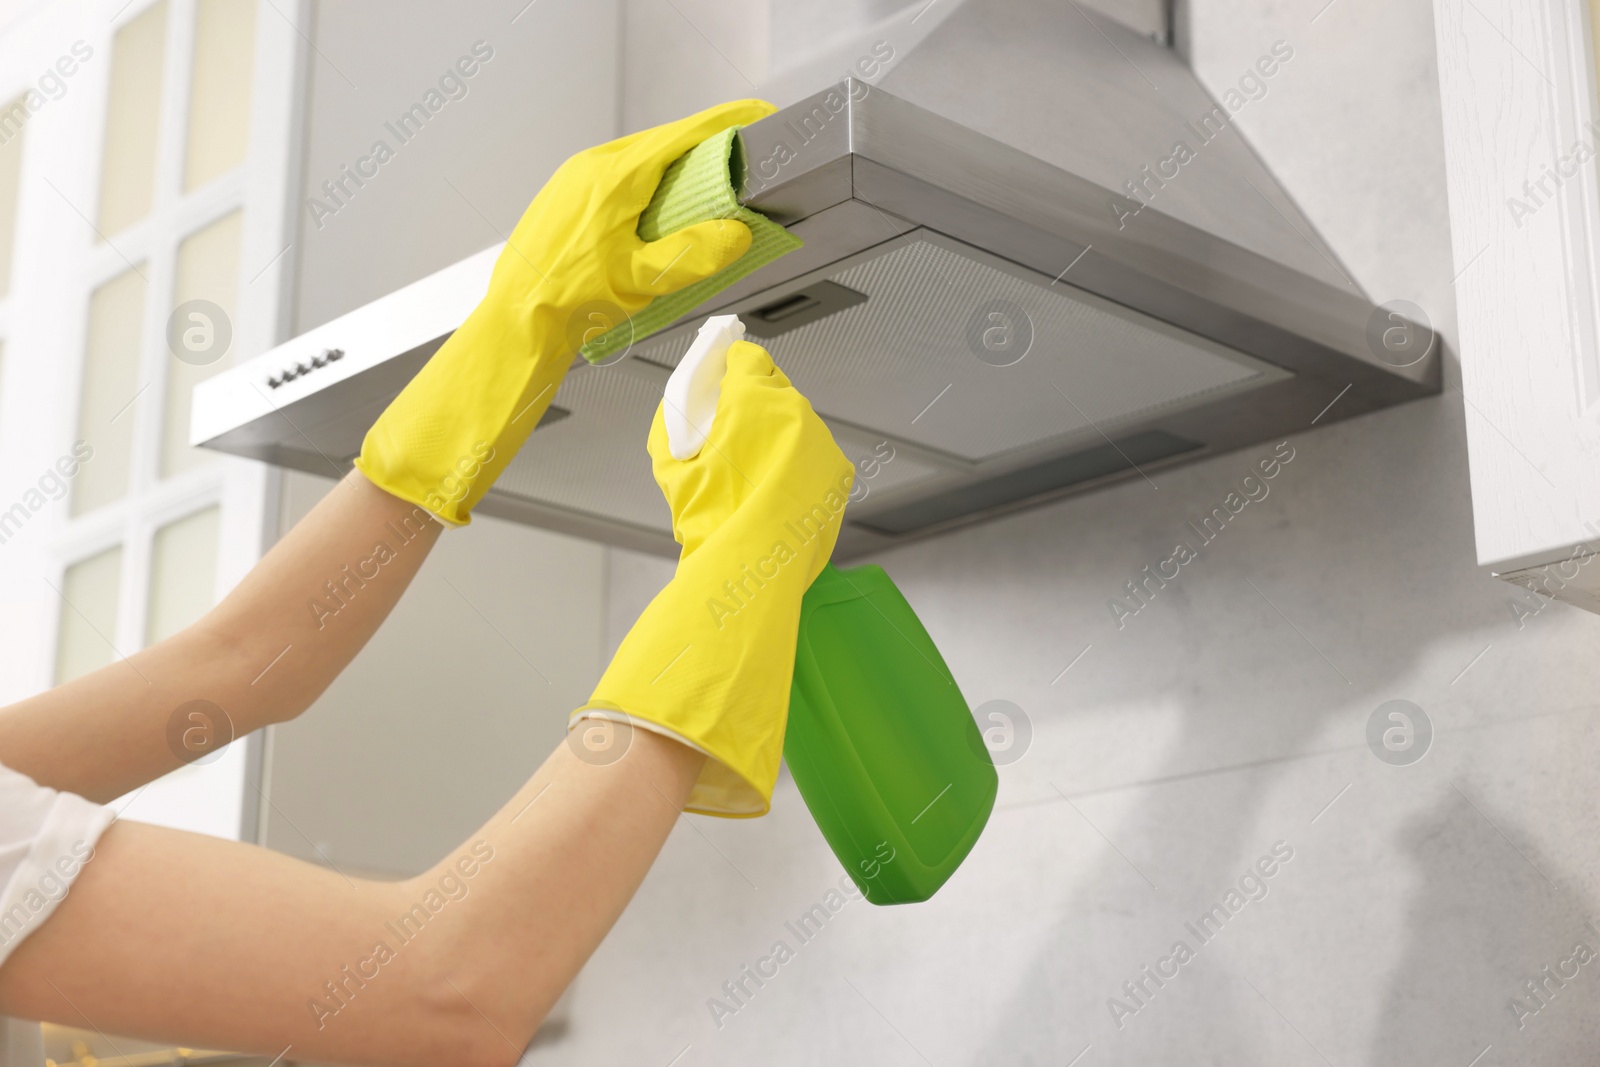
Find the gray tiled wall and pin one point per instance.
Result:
(1228, 716)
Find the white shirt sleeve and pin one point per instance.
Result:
(46, 837)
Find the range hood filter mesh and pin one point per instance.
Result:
(904, 361)
(902, 365)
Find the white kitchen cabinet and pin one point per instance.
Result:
(1522, 139)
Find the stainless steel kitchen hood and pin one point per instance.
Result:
(976, 299)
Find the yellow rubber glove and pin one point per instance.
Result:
(572, 267)
(757, 512)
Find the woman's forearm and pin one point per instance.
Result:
(262, 655)
(178, 937)
(570, 850)
(317, 597)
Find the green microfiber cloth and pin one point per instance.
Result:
(699, 186)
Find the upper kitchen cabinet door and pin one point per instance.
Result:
(1522, 138)
(429, 128)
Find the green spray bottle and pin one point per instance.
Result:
(880, 740)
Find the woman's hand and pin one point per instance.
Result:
(757, 511)
(576, 253)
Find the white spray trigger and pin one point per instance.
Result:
(692, 391)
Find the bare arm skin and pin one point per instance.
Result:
(179, 937)
(204, 942)
(105, 734)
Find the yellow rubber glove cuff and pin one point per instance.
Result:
(574, 259)
(757, 511)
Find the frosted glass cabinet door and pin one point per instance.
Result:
(219, 95)
(183, 569)
(10, 170)
(133, 121)
(165, 176)
(205, 307)
(110, 385)
(91, 591)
